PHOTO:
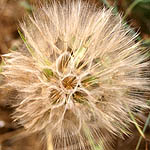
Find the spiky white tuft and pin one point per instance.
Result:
(83, 74)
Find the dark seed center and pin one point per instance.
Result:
(69, 82)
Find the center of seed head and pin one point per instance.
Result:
(69, 82)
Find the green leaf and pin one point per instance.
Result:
(31, 51)
(26, 5)
(48, 72)
(106, 3)
(128, 11)
(145, 1)
(91, 140)
(79, 54)
(144, 129)
(89, 79)
(146, 43)
(135, 123)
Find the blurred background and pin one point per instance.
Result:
(135, 12)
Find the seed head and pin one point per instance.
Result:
(82, 75)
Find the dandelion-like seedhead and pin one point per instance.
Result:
(82, 76)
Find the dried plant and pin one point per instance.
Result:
(82, 75)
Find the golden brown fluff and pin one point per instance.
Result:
(82, 75)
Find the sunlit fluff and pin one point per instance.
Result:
(82, 75)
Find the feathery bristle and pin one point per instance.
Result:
(83, 71)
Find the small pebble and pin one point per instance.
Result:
(2, 124)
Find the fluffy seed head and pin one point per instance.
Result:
(82, 75)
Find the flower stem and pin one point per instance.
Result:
(49, 142)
